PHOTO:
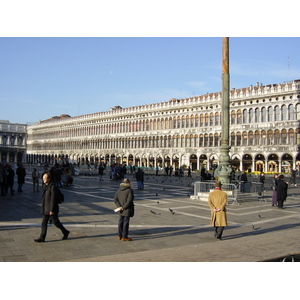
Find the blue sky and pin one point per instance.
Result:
(43, 77)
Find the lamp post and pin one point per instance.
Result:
(224, 168)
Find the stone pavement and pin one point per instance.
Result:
(256, 232)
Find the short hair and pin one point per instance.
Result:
(126, 180)
(218, 184)
(281, 176)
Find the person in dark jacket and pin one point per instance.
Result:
(21, 173)
(10, 179)
(139, 176)
(50, 209)
(282, 187)
(125, 207)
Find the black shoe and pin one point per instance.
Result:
(66, 235)
(39, 240)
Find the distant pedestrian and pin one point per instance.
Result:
(101, 172)
(35, 179)
(274, 189)
(293, 177)
(156, 170)
(10, 179)
(261, 180)
(124, 202)
(50, 209)
(3, 179)
(282, 188)
(189, 172)
(217, 201)
(244, 181)
(139, 176)
(21, 173)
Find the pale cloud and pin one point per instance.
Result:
(197, 84)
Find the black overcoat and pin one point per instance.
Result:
(49, 199)
(281, 190)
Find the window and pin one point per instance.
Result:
(264, 115)
(270, 114)
(284, 112)
(245, 119)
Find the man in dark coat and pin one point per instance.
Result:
(125, 207)
(139, 176)
(21, 173)
(50, 209)
(282, 187)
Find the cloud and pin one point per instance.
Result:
(197, 84)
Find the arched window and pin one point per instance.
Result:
(233, 116)
(263, 137)
(251, 115)
(187, 122)
(217, 119)
(239, 117)
(211, 119)
(256, 137)
(298, 111)
(201, 120)
(284, 112)
(245, 119)
(270, 137)
(216, 141)
(196, 120)
(291, 112)
(283, 137)
(211, 140)
(206, 119)
(270, 114)
(277, 113)
(263, 114)
(291, 137)
(245, 139)
(257, 115)
(250, 138)
(276, 137)
(232, 139)
(238, 139)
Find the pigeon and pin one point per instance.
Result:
(156, 194)
(153, 212)
(252, 227)
(259, 216)
(172, 212)
(157, 202)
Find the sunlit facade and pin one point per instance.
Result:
(264, 132)
(12, 142)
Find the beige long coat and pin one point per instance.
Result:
(218, 199)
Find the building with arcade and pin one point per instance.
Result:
(264, 132)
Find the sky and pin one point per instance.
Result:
(42, 77)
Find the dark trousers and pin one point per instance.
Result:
(219, 231)
(55, 221)
(280, 203)
(123, 226)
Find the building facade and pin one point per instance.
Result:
(264, 132)
(12, 142)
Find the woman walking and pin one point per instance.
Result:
(125, 207)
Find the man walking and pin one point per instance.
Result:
(217, 201)
(50, 209)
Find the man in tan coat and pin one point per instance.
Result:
(217, 201)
